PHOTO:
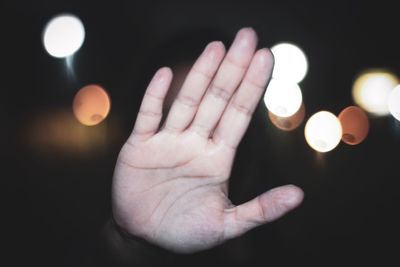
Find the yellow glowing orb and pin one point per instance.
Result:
(323, 131)
(63, 35)
(91, 105)
(371, 91)
(394, 103)
(290, 62)
(283, 98)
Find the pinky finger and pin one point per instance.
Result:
(150, 113)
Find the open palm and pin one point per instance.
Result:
(170, 185)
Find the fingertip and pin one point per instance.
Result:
(266, 52)
(265, 57)
(294, 195)
(247, 30)
(289, 196)
(221, 47)
(163, 75)
(165, 71)
(217, 45)
(247, 33)
(215, 50)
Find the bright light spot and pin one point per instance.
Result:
(394, 103)
(63, 35)
(91, 105)
(323, 131)
(371, 91)
(282, 98)
(355, 125)
(290, 62)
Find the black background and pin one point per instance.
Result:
(56, 200)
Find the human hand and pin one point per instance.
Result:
(170, 185)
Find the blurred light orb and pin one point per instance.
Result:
(63, 35)
(323, 131)
(56, 132)
(290, 62)
(355, 125)
(371, 91)
(289, 123)
(91, 105)
(394, 102)
(283, 98)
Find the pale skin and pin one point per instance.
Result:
(170, 185)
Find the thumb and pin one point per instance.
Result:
(265, 208)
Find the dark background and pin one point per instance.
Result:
(56, 194)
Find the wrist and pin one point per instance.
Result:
(130, 248)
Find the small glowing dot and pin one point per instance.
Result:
(371, 91)
(283, 98)
(289, 123)
(91, 105)
(63, 35)
(355, 125)
(394, 103)
(323, 131)
(290, 62)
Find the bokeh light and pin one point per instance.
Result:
(57, 133)
(394, 103)
(371, 91)
(288, 123)
(63, 35)
(91, 105)
(355, 125)
(283, 98)
(323, 131)
(290, 62)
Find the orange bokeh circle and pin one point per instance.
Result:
(355, 125)
(91, 105)
(288, 123)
